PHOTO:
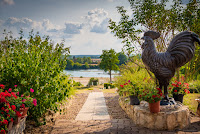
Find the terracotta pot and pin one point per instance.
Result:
(134, 100)
(154, 107)
(178, 97)
(10, 125)
(24, 111)
(17, 120)
(198, 107)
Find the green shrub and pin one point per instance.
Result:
(194, 86)
(139, 77)
(106, 85)
(93, 81)
(77, 84)
(35, 64)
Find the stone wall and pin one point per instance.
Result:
(169, 118)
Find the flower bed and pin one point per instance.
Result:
(169, 118)
(13, 107)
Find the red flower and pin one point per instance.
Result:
(175, 90)
(121, 86)
(12, 120)
(3, 108)
(13, 107)
(2, 86)
(22, 106)
(153, 96)
(3, 131)
(18, 114)
(5, 122)
(159, 89)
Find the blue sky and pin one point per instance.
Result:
(81, 23)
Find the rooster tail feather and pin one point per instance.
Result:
(196, 37)
(182, 48)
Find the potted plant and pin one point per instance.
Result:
(132, 90)
(153, 96)
(178, 90)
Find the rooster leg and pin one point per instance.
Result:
(166, 92)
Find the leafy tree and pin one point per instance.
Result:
(153, 15)
(109, 61)
(122, 58)
(77, 65)
(70, 64)
(86, 65)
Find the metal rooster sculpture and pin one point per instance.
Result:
(180, 51)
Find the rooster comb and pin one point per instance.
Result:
(154, 35)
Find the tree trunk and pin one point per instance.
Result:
(110, 76)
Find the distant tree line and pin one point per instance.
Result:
(87, 62)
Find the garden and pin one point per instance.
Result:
(31, 79)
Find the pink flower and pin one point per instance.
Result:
(17, 93)
(31, 90)
(15, 85)
(22, 95)
(23, 100)
(35, 102)
(129, 81)
(9, 90)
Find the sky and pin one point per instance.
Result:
(83, 24)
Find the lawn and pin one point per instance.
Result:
(190, 101)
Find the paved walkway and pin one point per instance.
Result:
(94, 108)
(93, 118)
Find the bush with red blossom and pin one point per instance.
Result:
(10, 104)
(151, 95)
(179, 88)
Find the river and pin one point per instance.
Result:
(89, 73)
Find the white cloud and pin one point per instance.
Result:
(97, 21)
(7, 2)
(110, 0)
(72, 28)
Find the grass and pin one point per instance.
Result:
(189, 100)
(82, 89)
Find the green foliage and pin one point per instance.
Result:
(76, 84)
(93, 82)
(37, 64)
(194, 86)
(106, 85)
(122, 58)
(133, 73)
(73, 66)
(154, 15)
(109, 61)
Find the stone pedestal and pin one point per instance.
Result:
(169, 118)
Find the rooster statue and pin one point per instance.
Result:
(180, 51)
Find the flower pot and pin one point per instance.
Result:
(198, 107)
(134, 100)
(10, 125)
(154, 107)
(17, 120)
(178, 97)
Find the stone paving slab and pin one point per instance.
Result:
(94, 108)
(114, 126)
